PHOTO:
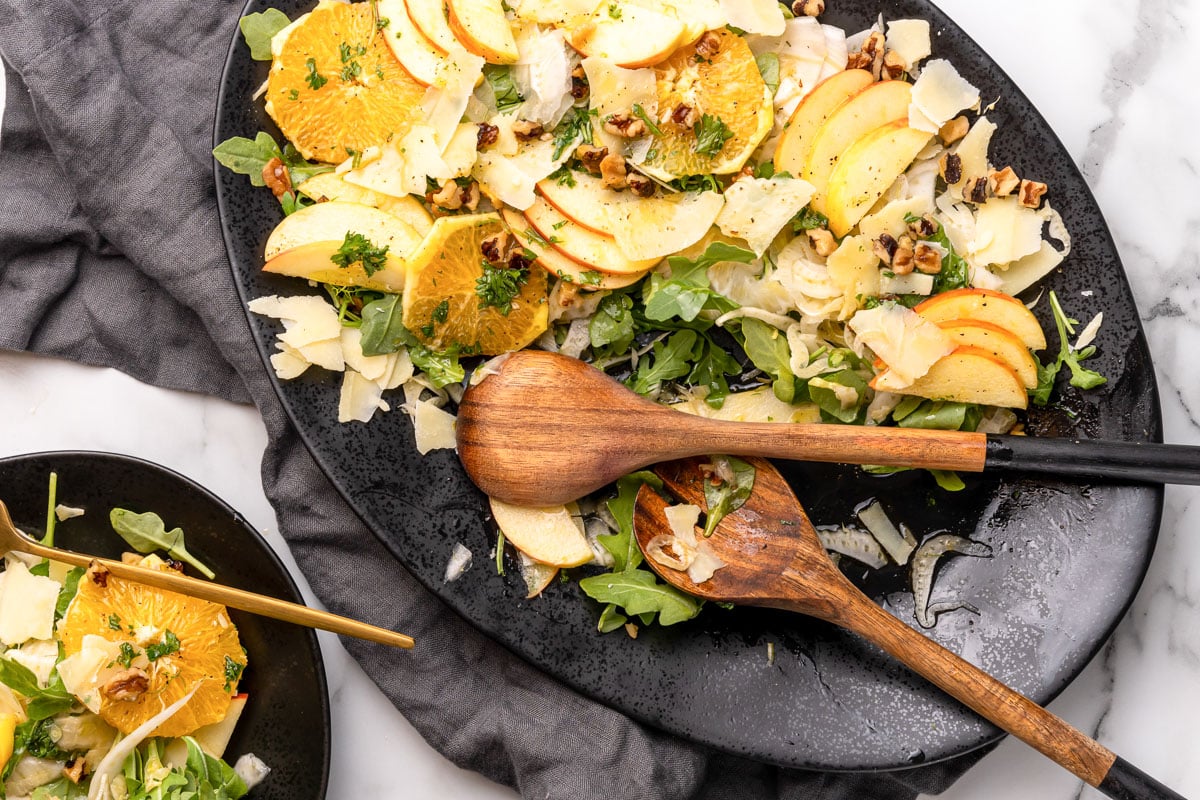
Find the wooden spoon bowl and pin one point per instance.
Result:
(773, 558)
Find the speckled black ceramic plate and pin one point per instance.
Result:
(1068, 557)
(286, 720)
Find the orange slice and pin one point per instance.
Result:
(443, 305)
(336, 88)
(726, 86)
(143, 618)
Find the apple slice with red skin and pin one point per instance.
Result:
(968, 375)
(985, 305)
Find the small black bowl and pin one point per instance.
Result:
(286, 720)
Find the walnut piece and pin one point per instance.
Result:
(904, 259)
(494, 247)
(613, 172)
(591, 157)
(625, 126)
(128, 684)
(822, 241)
(685, 116)
(975, 190)
(579, 83)
(275, 176)
(923, 228)
(870, 57)
(447, 197)
(640, 185)
(954, 130)
(808, 8)
(884, 248)
(1003, 182)
(73, 771)
(708, 45)
(950, 168)
(97, 573)
(486, 136)
(927, 259)
(893, 67)
(1030, 193)
(525, 129)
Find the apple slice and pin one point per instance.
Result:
(552, 535)
(584, 203)
(630, 36)
(304, 243)
(588, 248)
(557, 264)
(967, 375)
(416, 53)
(791, 155)
(429, 17)
(866, 170)
(997, 341)
(984, 305)
(481, 27)
(332, 186)
(863, 112)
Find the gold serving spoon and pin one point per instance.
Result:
(12, 539)
(773, 558)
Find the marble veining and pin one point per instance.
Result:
(1116, 82)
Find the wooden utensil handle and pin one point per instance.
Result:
(1004, 706)
(1124, 461)
(234, 598)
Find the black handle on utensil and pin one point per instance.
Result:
(1124, 781)
(1129, 461)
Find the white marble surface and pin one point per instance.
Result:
(1117, 82)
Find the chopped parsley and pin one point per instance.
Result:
(169, 645)
(441, 312)
(314, 79)
(128, 654)
(534, 236)
(358, 249)
(114, 622)
(696, 183)
(576, 126)
(614, 10)
(497, 287)
(233, 672)
(711, 135)
(641, 114)
(808, 219)
(350, 71)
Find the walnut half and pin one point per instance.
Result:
(128, 684)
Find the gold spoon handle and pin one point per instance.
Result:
(234, 598)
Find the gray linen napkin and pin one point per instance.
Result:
(110, 254)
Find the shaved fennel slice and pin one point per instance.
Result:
(110, 766)
(897, 544)
(925, 561)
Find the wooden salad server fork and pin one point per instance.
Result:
(544, 429)
(773, 558)
(12, 540)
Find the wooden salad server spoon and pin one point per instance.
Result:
(773, 558)
(12, 540)
(543, 429)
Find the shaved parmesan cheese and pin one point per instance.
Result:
(404, 164)
(288, 364)
(890, 218)
(681, 549)
(907, 342)
(912, 283)
(647, 228)
(84, 672)
(938, 95)
(755, 16)
(984, 278)
(853, 269)
(543, 74)
(909, 38)
(444, 105)
(1088, 334)
(512, 180)
(973, 151)
(38, 656)
(434, 427)
(312, 331)
(616, 90)
(26, 605)
(756, 209)
(360, 398)
(1005, 231)
(1021, 274)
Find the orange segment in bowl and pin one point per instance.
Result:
(335, 86)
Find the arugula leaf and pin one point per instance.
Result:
(1081, 377)
(767, 347)
(611, 329)
(711, 135)
(710, 370)
(146, 533)
(727, 496)
(249, 156)
(671, 359)
(623, 547)
(211, 777)
(638, 591)
(696, 183)
(941, 415)
(611, 619)
(43, 703)
(499, 77)
(947, 480)
(687, 292)
(383, 332)
(67, 593)
(300, 170)
(826, 397)
(768, 67)
(259, 29)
